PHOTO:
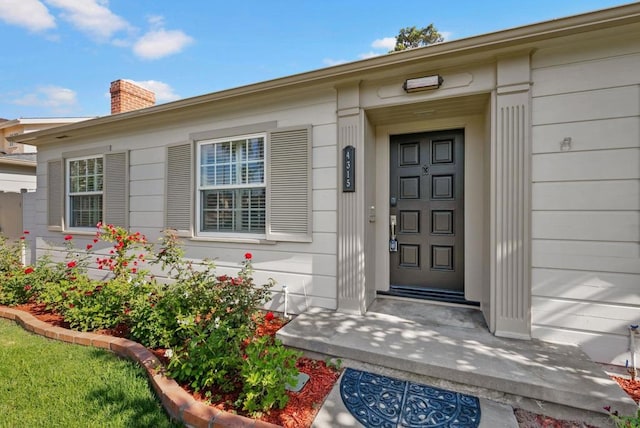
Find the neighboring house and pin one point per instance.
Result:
(18, 168)
(17, 172)
(506, 165)
(12, 128)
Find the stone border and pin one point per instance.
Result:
(178, 403)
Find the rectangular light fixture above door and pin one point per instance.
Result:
(423, 83)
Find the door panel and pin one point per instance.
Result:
(427, 198)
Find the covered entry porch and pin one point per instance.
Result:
(454, 345)
(489, 105)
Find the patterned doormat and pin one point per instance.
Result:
(385, 402)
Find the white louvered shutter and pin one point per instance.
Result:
(289, 184)
(55, 193)
(115, 196)
(179, 211)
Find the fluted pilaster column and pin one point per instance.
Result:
(511, 200)
(351, 207)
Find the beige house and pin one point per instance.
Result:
(501, 171)
(15, 127)
(18, 169)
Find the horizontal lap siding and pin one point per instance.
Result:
(586, 197)
(307, 269)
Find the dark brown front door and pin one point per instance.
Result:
(427, 200)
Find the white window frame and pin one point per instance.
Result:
(68, 194)
(199, 187)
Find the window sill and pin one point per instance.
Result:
(232, 240)
(79, 232)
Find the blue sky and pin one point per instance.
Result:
(59, 56)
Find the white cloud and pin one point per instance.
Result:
(31, 14)
(56, 98)
(163, 91)
(156, 21)
(387, 43)
(159, 43)
(368, 55)
(331, 62)
(92, 17)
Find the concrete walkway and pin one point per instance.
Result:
(451, 347)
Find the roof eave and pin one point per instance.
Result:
(19, 162)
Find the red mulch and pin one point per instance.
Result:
(304, 405)
(299, 411)
(631, 387)
(40, 311)
(533, 420)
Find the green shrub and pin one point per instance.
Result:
(206, 321)
(265, 372)
(128, 252)
(212, 356)
(93, 305)
(24, 284)
(150, 316)
(631, 421)
(10, 254)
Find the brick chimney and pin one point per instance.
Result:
(127, 96)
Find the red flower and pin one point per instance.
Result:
(71, 264)
(68, 238)
(26, 232)
(95, 241)
(71, 305)
(27, 287)
(236, 281)
(28, 270)
(89, 246)
(22, 237)
(133, 270)
(269, 316)
(223, 278)
(248, 256)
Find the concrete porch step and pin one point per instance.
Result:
(454, 344)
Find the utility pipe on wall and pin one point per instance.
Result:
(633, 371)
(286, 301)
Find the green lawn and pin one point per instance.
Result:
(45, 383)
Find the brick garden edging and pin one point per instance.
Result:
(180, 405)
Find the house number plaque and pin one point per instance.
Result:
(348, 169)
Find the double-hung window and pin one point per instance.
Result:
(231, 186)
(84, 182)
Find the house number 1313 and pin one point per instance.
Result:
(348, 169)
